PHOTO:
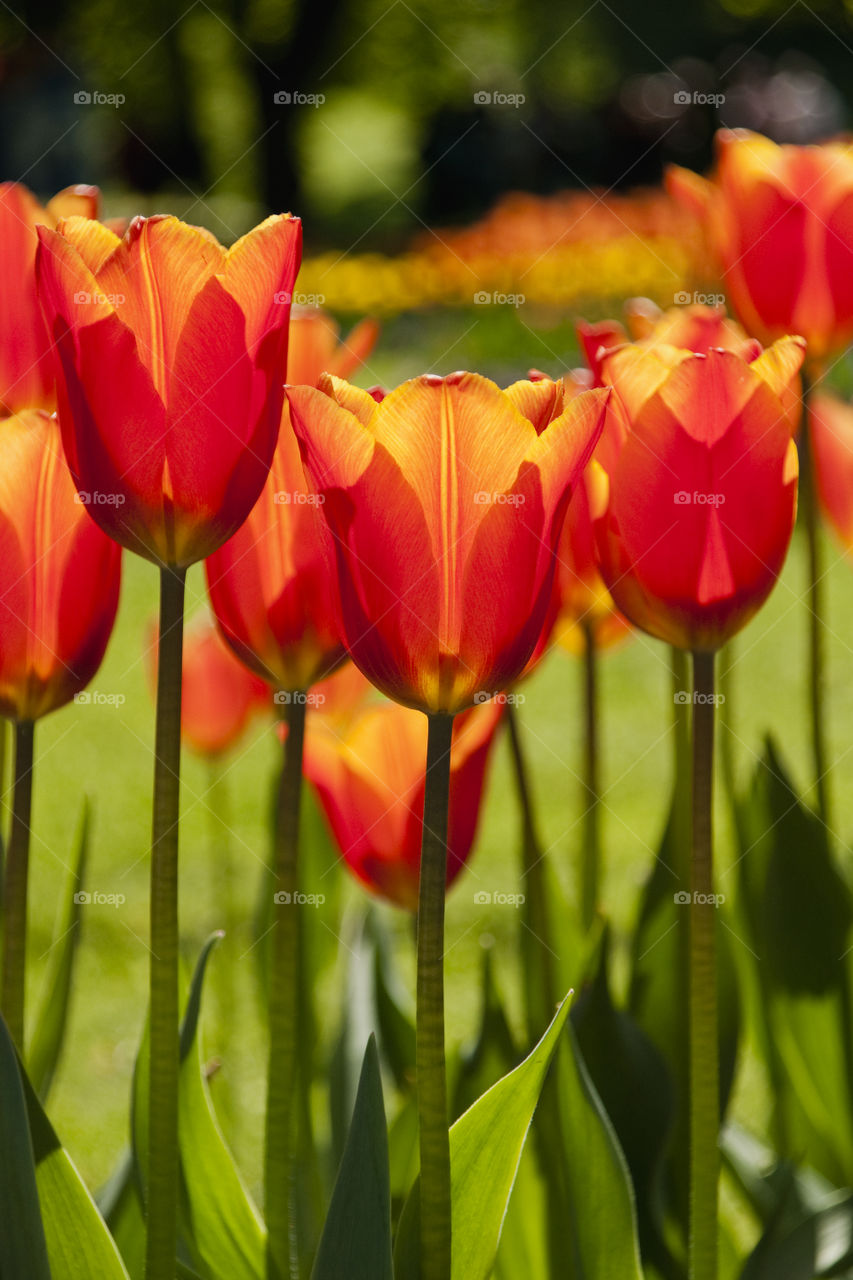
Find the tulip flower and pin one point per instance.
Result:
(171, 350)
(59, 589)
(26, 359)
(369, 779)
(314, 347)
(778, 223)
(445, 503)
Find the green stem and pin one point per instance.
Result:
(680, 846)
(431, 1070)
(817, 663)
(591, 861)
(283, 1063)
(161, 1242)
(704, 1049)
(15, 887)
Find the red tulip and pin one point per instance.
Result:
(171, 350)
(59, 584)
(831, 434)
(696, 327)
(27, 375)
(314, 347)
(779, 221)
(698, 490)
(368, 773)
(444, 503)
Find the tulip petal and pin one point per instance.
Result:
(537, 400)
(780, 366)
(359, 402)
(260, 272)
(92, 240)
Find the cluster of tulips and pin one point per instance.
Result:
(429, 543)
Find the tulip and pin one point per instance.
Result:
(314, 348)
(831, 432)
(171, 350)
(58, 600)
(26, 358)
(369, 779)
(778, 224)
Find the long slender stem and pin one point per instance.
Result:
(161, 1242)
(283, 1066)
(15, 886)
(431, 1069)
(591, 861)
(704, 1049)
(817, 701)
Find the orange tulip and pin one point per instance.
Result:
(831, 435)
(444, 502)
(314, 347)
(696, 327)
(779, 221)
(697, 490)
(59, 584)
(368, 773)
(170, 351)
(26, 359)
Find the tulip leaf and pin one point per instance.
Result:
(52, 1017)
(23, 1249)
(121, 1208)
(356, 1239)
(818, 1245)
(485, 1148)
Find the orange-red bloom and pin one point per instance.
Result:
(59, 574)
(368, 772)
(698, 487)
(171, 351)
(444, 502)
(219, 695)
(831, 435)
(314, 346)
(779, 220)
(26, 357)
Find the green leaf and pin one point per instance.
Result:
(79, 1246)
(52, 1017)
(485, 1148)
(356, 1239)
(224, 1231)
(121, 1208)
(818, 1245)
(23, 1250)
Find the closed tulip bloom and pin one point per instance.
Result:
(697, 492)
(444, 503)
(170, 351)
(368, 773)
(831, 433)
(695, 327)
(59, 574)
(315, 347)
(219, 696)
(779, 221)
(26, 359)
(271, 586)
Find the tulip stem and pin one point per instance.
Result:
(591, 860)
(681, 866)
(15, 885)
(431, 1071)
(704, 1048)
(283, 1004)
(808, 500)
(161, 1241)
